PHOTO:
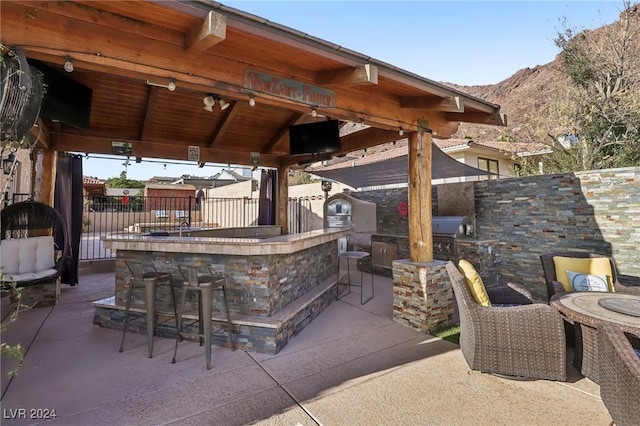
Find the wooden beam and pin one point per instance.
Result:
(224, 124)
(40, 133)
(282, 134)
(165, 149)
(420, 215)
(149, 109)
(282, 203)
(371, 136)
(453, 104)
(44, 178)
(497, 119)
(140, 52)
(212, 31)
(366, 74)
(438, 126)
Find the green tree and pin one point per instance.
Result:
(599, 116)
(123, 182)
(299, 177)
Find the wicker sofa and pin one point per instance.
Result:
(619, 367)
(555, 287)
(526, 340)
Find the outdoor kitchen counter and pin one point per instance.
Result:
(281, 244)
(276, 284)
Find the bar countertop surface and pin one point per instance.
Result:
(281, 244)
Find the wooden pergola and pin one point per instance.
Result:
(132, 53)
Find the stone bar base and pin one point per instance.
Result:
(422, 295)
(251, 333)
(37, 295)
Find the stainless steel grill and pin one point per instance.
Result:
(446, 229)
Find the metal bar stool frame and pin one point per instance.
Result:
(357, 255)
(146, 275)
(204, 285)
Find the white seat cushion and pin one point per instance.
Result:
(26, 255)
(9, 254)
(29, 276)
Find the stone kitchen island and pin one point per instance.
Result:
(276, 284)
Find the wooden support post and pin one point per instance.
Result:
(420, 220)
(282, 204)
(44, 176)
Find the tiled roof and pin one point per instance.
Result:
(359, 158)
(88, 180)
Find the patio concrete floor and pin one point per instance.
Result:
(351, 366)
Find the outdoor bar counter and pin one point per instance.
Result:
(276, 284)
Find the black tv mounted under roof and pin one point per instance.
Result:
(322, 137)
(65, 100)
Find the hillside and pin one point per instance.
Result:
(519, 96)
(528, 93)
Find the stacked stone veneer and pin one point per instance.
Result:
(422, 295)
(594, 211)
(389, 222)
(37, 295)
(258, 288)
(265, 337)
(256, 285)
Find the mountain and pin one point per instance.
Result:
(528, 95)
(519, 97)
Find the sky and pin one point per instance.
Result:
(462, 42)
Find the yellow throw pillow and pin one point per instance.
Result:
(592, 266)
(474, 282)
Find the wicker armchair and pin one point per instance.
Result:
(554, 286)
(619, 369)
(526, 341)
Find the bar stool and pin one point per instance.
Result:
(147, 276)
(349, 256)
(203, 285)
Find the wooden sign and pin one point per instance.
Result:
(288, 88)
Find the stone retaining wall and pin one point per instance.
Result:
(596, 211)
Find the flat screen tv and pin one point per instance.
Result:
(314, 138)
(65, 100)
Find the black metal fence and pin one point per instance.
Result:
(142, 215)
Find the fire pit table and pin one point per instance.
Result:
(585, 310)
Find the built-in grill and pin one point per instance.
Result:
(446, 229)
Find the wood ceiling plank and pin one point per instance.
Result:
(157, 58)
(283, 133)
(93, 13)
(151, 103)
(138, 41)
(224, 124)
